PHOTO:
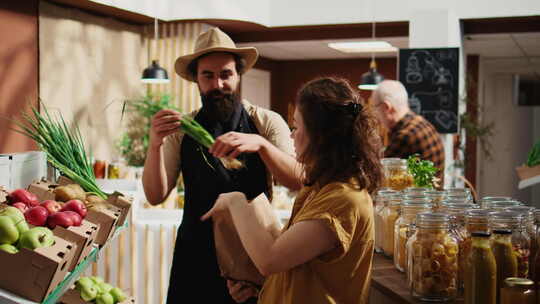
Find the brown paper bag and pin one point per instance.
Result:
(233, 260)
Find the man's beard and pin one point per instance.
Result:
(219, 106)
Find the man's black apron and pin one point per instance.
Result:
(195, 276)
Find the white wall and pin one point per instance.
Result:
(516, 128)
(306, 12)
(256, 87)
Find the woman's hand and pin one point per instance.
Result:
(223, 202)
(241, 292)
(232, 144)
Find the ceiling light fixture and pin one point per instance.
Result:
(363, 46)
(154, 73)
(370, 80)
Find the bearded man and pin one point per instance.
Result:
(257, 137)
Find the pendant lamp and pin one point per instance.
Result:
(154, 73)
(371, 78)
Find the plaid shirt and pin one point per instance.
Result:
(413, 134)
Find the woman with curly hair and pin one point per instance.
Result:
(324, 253)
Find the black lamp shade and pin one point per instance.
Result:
(155, 74)
(370, 80)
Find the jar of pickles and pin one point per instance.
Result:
(433, 258)
(396, 174)
(520, 239)
(390, 215)
(518, 290)
(480, 275)
(402, 229)
(476, 220)
(381, 199)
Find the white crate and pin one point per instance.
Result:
(18, 170)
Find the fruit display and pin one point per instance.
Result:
(15, 233)
(95, 290)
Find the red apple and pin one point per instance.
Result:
(51, 206)
(36, 216)
(76, 206)
(61, 218)
(22, 195)
(21, 206)
(77, 219)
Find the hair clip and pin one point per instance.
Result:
(354, 107)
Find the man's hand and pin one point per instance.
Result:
(241, 292)
(232, 144)
(164, 123)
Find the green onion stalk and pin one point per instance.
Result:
(64, 147)
(200, 135)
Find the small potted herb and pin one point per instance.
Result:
(423, 172)
(531, 168)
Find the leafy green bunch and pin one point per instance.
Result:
(423, 171)
(134, 142)
(533, 158)
(63, 145)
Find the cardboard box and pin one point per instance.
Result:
(525, 172)
(3, 195)
(82, 236)
(73, 297)
(43, 189)
(107, 219)
(123, 203)
(34, 274)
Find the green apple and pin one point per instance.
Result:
(83, 282)
(36, 237)
(22, 226)
(105, 298)
(96, 279)
(104, 287)
(88, 293)
(12, 212)
(9, 248)
(9, 233)
(117, 294)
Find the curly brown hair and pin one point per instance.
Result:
(342, 131)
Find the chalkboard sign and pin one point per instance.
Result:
(431, 79)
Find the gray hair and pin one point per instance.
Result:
(394, 92)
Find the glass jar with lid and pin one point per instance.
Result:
(517, 290)
(457, 211)
(435, 196)
(530, 225)
(381, 199)
(396, 174)
(390, 215)
(536, 258)
(433, 258)
(480, 275)
(403, 229)
(458, 194)
(483, 202)
(520, 239)
(415, 191)
(502, 205)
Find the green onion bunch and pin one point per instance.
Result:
(200, 135)
(64, 147)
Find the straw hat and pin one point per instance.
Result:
(214, 40)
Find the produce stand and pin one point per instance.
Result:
(69, 280)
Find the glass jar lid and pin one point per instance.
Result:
(501, 205)
(525, 210)
(509, 219)
(433, 220)
(518, 282)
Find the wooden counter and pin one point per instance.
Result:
(388, 285)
